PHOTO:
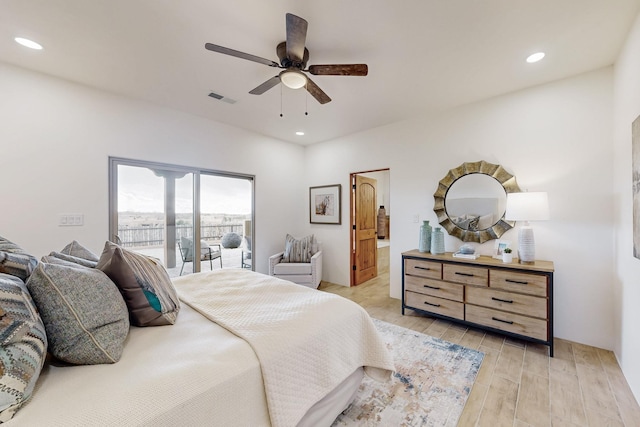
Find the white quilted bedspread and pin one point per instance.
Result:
(307, 341)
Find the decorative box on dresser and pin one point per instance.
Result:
(512, 299)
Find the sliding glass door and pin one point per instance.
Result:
(190, 219)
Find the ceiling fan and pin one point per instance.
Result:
(293, 57)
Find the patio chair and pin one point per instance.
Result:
(206, 253)
(246, 252)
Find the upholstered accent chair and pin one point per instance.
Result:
(207, 252)
(300, 262)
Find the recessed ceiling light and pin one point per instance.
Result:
(535, 57)
(299, 133)
(28, 43)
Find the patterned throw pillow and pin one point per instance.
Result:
(144, 284)
(77, 250)
(15, 261)
(74, 259)
(84, 315)
(23, 345)
(298, 250)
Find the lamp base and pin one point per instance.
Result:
(526, 245)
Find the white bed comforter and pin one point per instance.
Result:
(307, 341)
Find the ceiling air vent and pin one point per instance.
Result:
(222, 98)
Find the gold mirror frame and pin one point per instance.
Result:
(498, 173)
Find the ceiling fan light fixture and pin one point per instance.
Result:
(293, 79)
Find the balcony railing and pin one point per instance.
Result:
(154, 236)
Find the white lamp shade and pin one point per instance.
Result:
(533, 206)
(293, 79)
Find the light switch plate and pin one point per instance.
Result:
(65, 220)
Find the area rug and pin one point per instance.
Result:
(430, 386)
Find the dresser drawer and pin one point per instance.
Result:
(467, 275)
(514, 323)
(418, 267)
(516, 303)
(436, 288)
(533, 284)
(441, 306)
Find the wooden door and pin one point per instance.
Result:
(363, 224)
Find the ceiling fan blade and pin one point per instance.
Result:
(265, 86)
(241, 55)
(339, 70)
(316, 92)
(296, 37)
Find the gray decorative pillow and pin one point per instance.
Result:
(145, 285)
(77, 250)
(74, 259)
(23, 345)
(83, 312)
(299, 250)
(15, 261)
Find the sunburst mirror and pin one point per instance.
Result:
(470, 201)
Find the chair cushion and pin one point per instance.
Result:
(83, 312)
(298, 250)
(23, 345)
(298, 268)
(144, 284)
(187, 249)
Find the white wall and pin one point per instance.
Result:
(55, 140)
(554, 138)
(626, 283)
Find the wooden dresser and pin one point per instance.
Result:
(511, 299)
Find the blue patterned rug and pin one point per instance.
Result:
(430, 387)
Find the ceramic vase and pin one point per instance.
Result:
(425, 237)
(437, 241)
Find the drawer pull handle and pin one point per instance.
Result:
(503, 321)
(464, 274)
(430, 287)
(434, 305)
(519, 282)
(508, 301)
(422, 268)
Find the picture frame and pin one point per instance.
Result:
(324, 204)
(500, 246)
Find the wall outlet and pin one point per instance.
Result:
(65, 220)
(416, 218)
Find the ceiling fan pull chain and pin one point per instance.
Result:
(281, 101)
(306, 99)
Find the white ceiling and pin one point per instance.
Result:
(423, 55)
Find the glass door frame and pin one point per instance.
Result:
(114, 162)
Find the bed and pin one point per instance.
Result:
(245, 349)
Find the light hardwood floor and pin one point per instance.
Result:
(518, 384)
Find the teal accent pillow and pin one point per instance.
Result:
(23, 345)
(85, 317)
(144, 283)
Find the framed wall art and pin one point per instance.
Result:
(500, 246)
(324, 204)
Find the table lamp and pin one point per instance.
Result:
(533, 206)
